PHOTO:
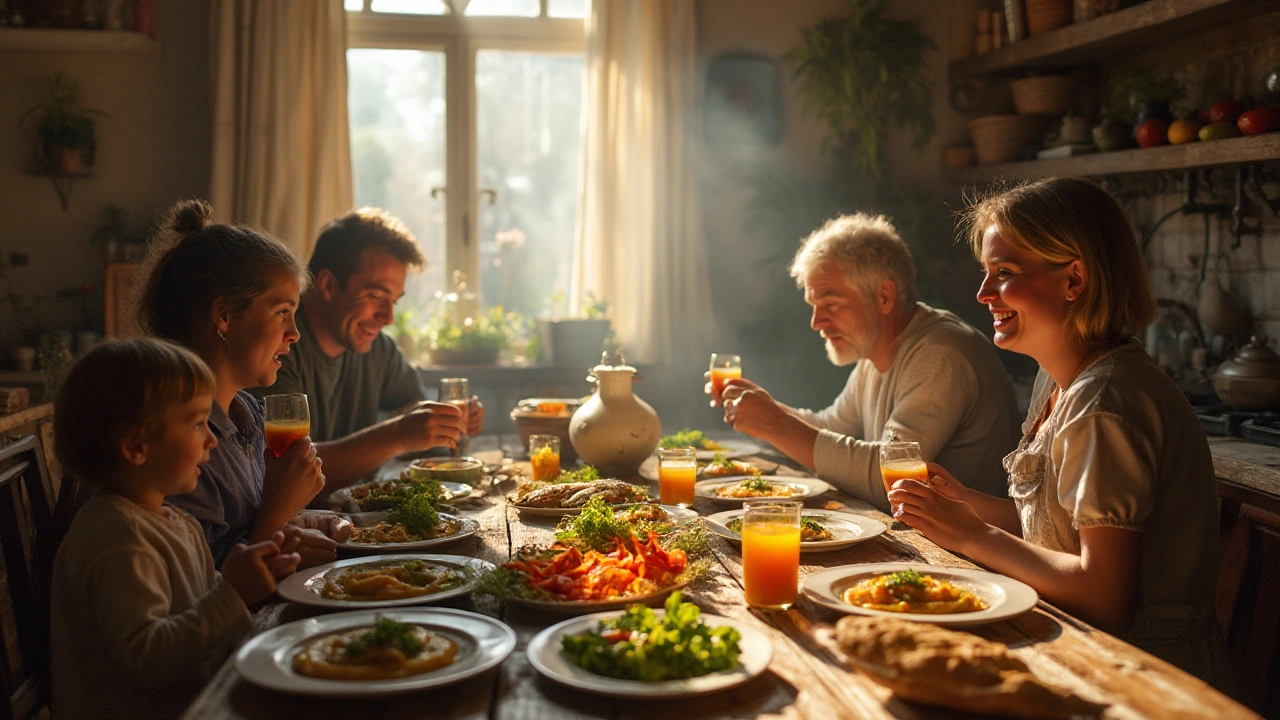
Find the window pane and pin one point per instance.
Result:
(411, 7)
(510, 8)
(530, 149)
(397, 105)
(353, 5)
(567, 8)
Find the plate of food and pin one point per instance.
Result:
(399, 533)
(385, 494)
(724, 466)
(383, 581)
(346, 654)
(820, 530)
(582, 652)
(739, 489)
(568, 498)
(922, 593)
(707, 447)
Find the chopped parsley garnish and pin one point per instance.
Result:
(905, 577)
(757, 484)
(385, 633)
(417, 514)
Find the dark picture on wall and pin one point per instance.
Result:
(742, 103)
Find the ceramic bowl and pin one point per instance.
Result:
(459, 470)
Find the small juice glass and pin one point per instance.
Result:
(286, 419)
(457, 392)
(901, 459)
(723, 369)
(544, 455)
(677, 473)
(771, 553)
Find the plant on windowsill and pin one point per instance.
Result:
(474, 341)
(66, 130)
(576, 341)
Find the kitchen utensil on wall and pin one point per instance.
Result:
(1251, 379)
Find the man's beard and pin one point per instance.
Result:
(859, 345)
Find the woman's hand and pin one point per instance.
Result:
(945, 484)
(312, 546)
(331, 524)
(292, 480)
(952, 524)
(254, 569)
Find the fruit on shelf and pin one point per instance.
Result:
(1184, 131)
(1219, 131)
(1152, 132)
(1226, 111)
(1262, 120)
(1111, 135)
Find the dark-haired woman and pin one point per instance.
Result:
(1113, 514)
(229, 293)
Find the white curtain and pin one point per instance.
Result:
(281, 153)
(641, 241)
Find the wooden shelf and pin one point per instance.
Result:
(1147, 24)
(56, 40)
(1235, 151)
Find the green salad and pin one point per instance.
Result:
(639, 646)
(689, 438)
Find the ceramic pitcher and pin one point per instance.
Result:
(615, 430)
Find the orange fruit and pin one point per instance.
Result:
(1184, 131)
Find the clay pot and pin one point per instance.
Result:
(1251, 379)
(615, 430)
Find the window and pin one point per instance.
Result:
(465, 123)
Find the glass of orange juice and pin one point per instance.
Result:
(723, 368)
(457, 392)
(771, 553)
(677, 472)
(544, 455)
(286, 419)
(901, 459)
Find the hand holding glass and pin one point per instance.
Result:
(544, 456)
(771, 553)
(286, 420)
(677, 472)
(723, 369)
(457, 392)
(899, 460)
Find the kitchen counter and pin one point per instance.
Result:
(1248, 464)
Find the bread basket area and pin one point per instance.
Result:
(1043, 94)
(996, 138)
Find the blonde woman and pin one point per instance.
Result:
(1112, 515)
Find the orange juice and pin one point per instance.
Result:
(464, 406)
(282, 434)
(675, 484)
(771, 563)
(719, 376)
(546, 464)
(903, 469)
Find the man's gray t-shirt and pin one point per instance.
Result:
(346, 393)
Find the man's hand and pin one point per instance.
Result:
(750, 409)
(292, 480)
(253, 569)
(710, 389)
(475, 417)
(430, 424)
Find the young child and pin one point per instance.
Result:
(140, 619)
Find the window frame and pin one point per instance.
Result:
(460, 37)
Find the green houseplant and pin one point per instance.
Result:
(66, 130)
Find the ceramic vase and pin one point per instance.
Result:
(615, 430)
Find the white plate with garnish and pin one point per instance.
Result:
(467, 527)
(308, 586)
(545, 655)
(787, 488)
(343, 500)
(730, 448)
(1004, 596)
(847, 528)
(267, 659)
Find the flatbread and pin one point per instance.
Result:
(957, 670)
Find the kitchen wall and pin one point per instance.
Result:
(153, 151)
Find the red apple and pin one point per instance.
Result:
(1226, 111)
(1262, 120)
(1152, 132)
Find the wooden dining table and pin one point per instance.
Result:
(808, 676)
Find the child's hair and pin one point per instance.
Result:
(116, 390)
(1067, 218)
(194, 262)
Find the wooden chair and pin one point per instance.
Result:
(26, 511)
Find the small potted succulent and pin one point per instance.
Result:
(65, 128)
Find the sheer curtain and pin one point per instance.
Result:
(641, 242)
(281, 152)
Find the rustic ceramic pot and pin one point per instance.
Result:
(1251, 379)
(615, 430)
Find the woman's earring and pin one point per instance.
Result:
(224, 337)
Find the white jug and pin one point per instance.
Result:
(615, 430)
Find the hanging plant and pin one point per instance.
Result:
(863, 74)
(66, 128)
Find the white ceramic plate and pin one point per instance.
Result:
(578, 607)
(805, 488)
(1005, 596)
(733, 448)
(267, 659)
(304, 586)
(545, 656)
(679, 515)
(342, 499)
(469, 527)
(848, 529)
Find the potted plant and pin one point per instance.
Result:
(575, 341)
(474, 341)
(1143, 94)
(65, 127)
